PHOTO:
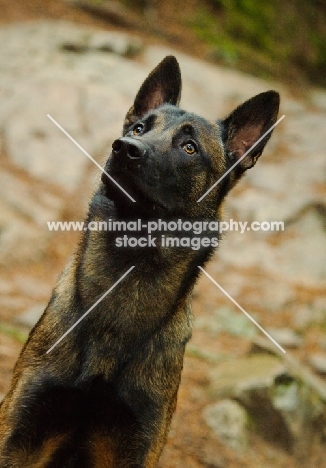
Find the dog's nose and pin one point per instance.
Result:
(125, 146)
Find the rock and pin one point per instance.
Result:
(12, 303)
(302, 413)
(255, 204)
(60, 84)
(232, 379)
(286, 337)
(305, 315)
(31, 316)
(257, 254)
(116, 42)
(36, 145)
(229, 321)
(318, 362)
(322, 342)
(295, 367)
(309, 313)
(229, 421)
(301, 256)
(318, 98)
(292, 107)
(298, 258)
(270, 294)
(101, 42)
(104, 109)
(284, 410)
(20, 241)
(297, 137)
(31, 202)
(30, 287)
(211, 459)
(273, 178)
(6, 287)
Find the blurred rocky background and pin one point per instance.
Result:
(242, 402)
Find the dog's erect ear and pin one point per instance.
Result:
(162, 86)
(245, 125)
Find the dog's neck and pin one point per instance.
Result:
(162, 282)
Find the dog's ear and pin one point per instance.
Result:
(245, 125)
(162, 86)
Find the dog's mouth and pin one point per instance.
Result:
(136, 188)
(145, 203)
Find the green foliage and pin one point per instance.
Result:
(271, 38)
(13, 332)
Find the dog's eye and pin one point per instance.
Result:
(190, 147)
(138, 129)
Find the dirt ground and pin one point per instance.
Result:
(190, 442)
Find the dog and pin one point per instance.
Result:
(105, 395)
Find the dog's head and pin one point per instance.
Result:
(168, 158)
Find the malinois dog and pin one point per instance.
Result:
(105, 395)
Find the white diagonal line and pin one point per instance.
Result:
(239, 160)
(90, 157)
(89, 310)
(242, 310)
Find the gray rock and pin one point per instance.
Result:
(6, 286)
(301, 411)
(305, 315)
(13, 303)
(41, 40)
(271, 294)
(299, 257)
(318, 98)
(267, 196)
(103, 109)
(36, 145)
(29, 201)
(229, 321)
(256, 204)
(246, 251)
(229, 422)
(284, 410)
(57, 82)
(28, 286)
(297, 136)
(322, 342)
(31, 316)
(286, 337)
(20, 241)
(116, 42)
(292, 107)
(233, 379)
(318, 362)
